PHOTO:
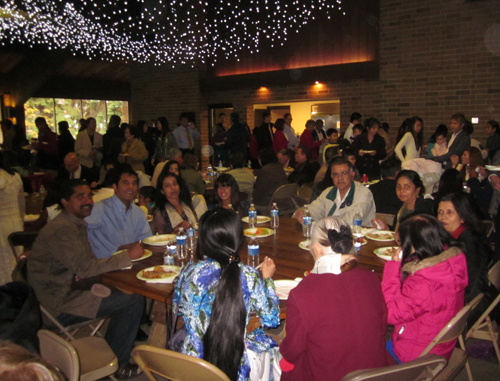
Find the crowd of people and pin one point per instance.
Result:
(137, 171)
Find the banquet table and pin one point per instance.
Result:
(283, 247)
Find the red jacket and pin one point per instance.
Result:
(335, 325)
(306, 139)
(429, 298)
(279, 141)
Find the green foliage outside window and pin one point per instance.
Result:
(55, 110)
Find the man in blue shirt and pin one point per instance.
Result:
(117, 221)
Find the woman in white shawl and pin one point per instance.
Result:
(174, 208)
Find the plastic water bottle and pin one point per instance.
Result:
(191, 238)
(181, 244)
(253, 253)
(275, 217)
(210, 174)
(220, 163)
(306, 222)
(252, 216)
(168, 257)
(356, 231)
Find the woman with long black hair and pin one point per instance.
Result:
(412, 142)
(216, 296)
(164, 140)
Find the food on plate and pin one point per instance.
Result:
(258, 231)
(158, 273)
(390, 251)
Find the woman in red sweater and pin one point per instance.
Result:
(336, 321)
(280, 141)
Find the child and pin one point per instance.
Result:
(437, 143)
(146, 198)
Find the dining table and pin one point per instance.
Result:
(282, 246)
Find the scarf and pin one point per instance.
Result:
(176, 218)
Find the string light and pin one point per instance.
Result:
(158, 31)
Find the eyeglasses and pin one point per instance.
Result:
(340, 174)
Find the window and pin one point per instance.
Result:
(55, 110)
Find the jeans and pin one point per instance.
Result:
(125, 312)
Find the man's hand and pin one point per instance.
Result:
(495, 182)
(268, 268)
(136, 251)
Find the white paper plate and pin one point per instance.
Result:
(147, 254)
(304, 245)
(169, 279)
(222, 169)
(381, 235)
(365, 231)
(492, 167)
(385, 252)
(260, 219)
(159, 240)
(266, 232)
(31, 217)
(283, 287)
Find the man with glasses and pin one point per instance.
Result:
(345, 198)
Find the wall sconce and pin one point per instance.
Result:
(7, 106)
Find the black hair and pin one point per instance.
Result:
(331, 131)
(390, 168)
(286, 115)
(122, 169)
(451, 181)
(237, 159)
(140, 124)
(327, 180)
(465, 210)
(468, 127)
(355, 116)
(385, 126)
(459, 117)
(53, 194)
(227, 180)
(114, 121)
(161, 200)
(319, 123)
(40, 120)
(133, 130)
(67, 189)
(222, 114)
(265, 114)
(441, 130)
(148, 192)
(279, 124)
(330, 153)
(341, 241)
(221, 238)
(63, 126)
(267, 156)
(359, 127)
(418, 137)
(494, 124)
(346, 152)
(234, 117)
(164, 125)
(306, 150)
(425, 234)
(414, 178)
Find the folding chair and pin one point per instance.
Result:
(485, 328)
(303, 197)
(175, 366)
(451, 331)
(283, 198)
(421, 369)
(25, 239)
(86, 359)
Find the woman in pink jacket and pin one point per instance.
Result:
(424, 287)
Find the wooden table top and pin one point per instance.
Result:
(283, 247)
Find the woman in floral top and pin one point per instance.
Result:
(216, 296)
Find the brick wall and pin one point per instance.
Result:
(435, 60)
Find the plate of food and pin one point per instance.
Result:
(159, 239)
(386, 253)
(260, 219)
(369, 151)
(159, 274)
(363, 241)
(222, 169)
(304, 245)
(147, 254)
(492, 167)
(149, 217)
(283, 287)
(381, 235)
(288, 169)
(258, 232)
